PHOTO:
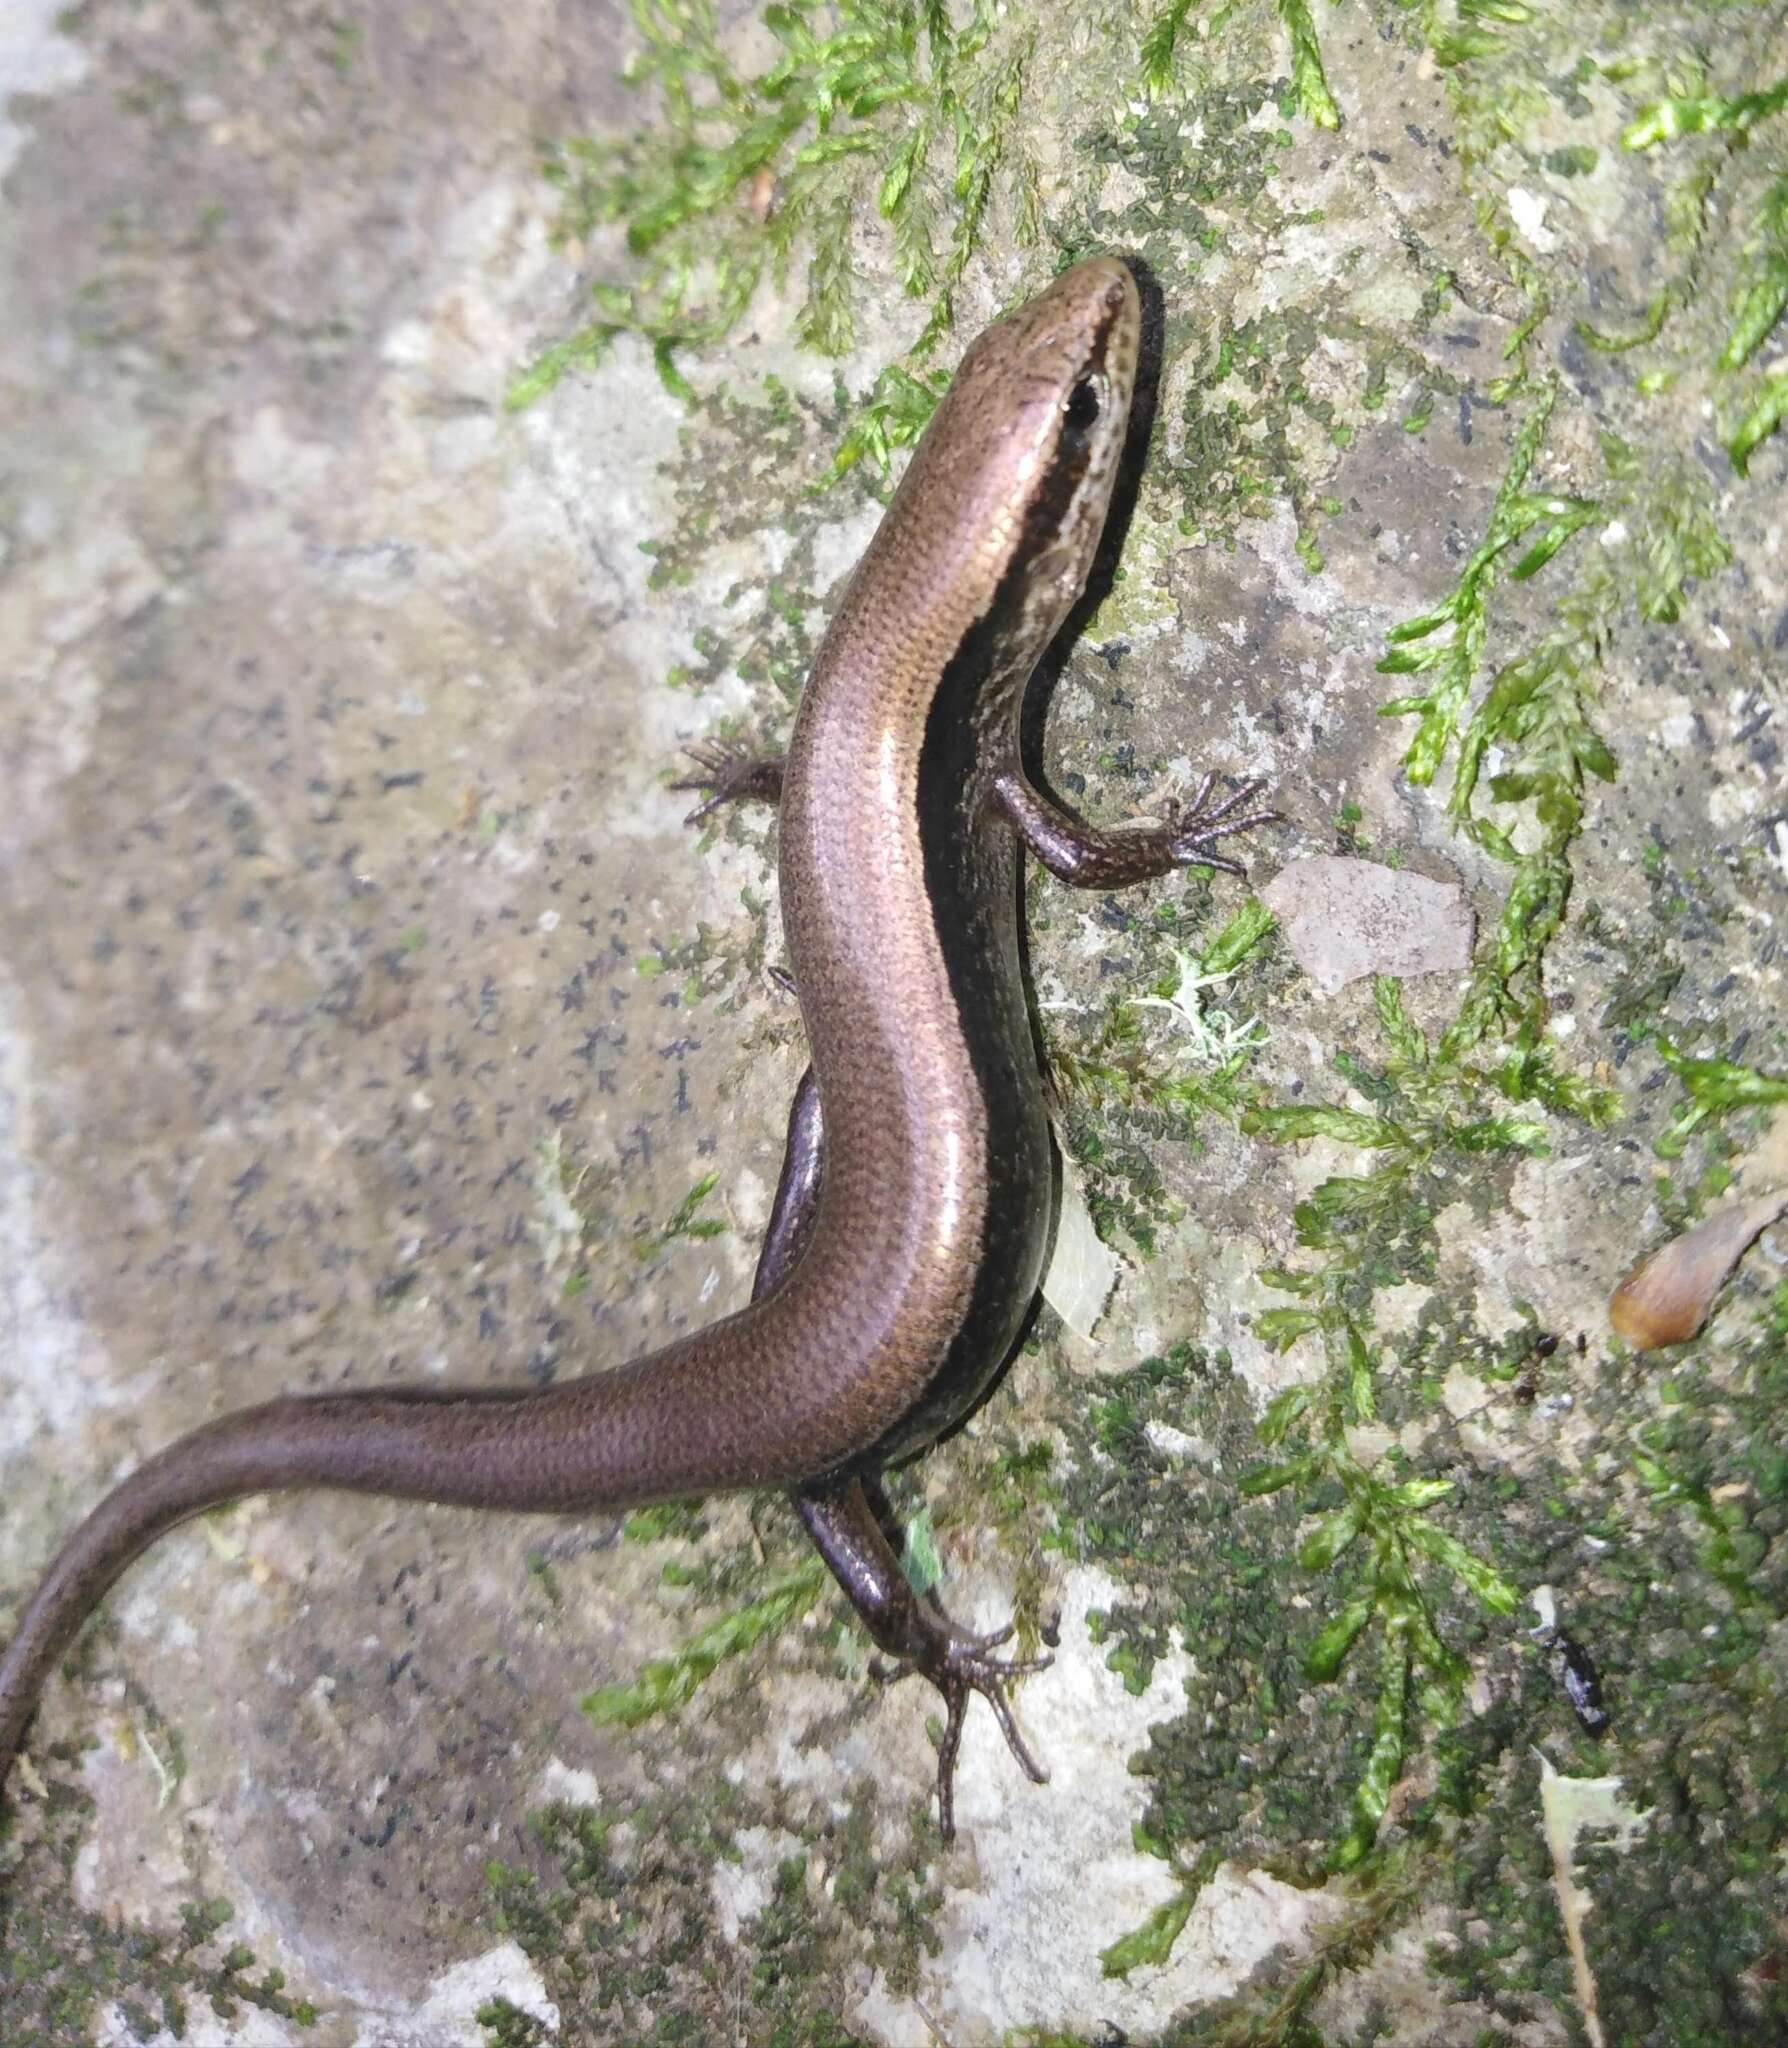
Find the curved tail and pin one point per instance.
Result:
(594, 1442)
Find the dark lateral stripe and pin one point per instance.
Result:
(971, 876)
(971, 883)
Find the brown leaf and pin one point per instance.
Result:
(1666, 1298)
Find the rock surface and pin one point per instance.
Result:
(368, 1016)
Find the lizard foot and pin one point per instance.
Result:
(958, 1664)
(731, 773)
(1195, 826)
(913, 1634)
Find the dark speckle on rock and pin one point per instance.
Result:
(1584, 368)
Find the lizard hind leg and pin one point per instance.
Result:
(847, 1531)
(920, 1639)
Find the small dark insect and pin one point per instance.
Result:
(1575, 1670)
(1527, 1384)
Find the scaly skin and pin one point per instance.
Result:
(909, 1249)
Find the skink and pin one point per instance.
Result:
(907, 1239)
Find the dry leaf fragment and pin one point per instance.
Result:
(1084, 1269)
(1567, 1807)
(1666, 1298)
(760, 194)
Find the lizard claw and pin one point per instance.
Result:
(914, 1634)
(732, 773)
(957, 1663)
(1195, 826)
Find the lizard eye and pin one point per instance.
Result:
(1082, 407)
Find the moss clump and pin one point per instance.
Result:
(889, 109)
(626, 1938)
(867, 107)
(747, 465)
(668, 1683)
(1683, 1609)
(59, 1965)
(507, 2026)
(1221, 1575)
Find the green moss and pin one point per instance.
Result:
(59, 1964)
(670, 1521)
(866, 107)
(1715, 1088)
(1364, 1231)
(1259, 1767)
(869, 108)
(684, 1221)
(1274, 2013)
(1127, 1084)
(1751, 182)
(1218, 1574)
(1149, 1946)
(621, 1926)
(507, 2026)
(1575, 161)
(1684, 1937)
(667, 1683)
